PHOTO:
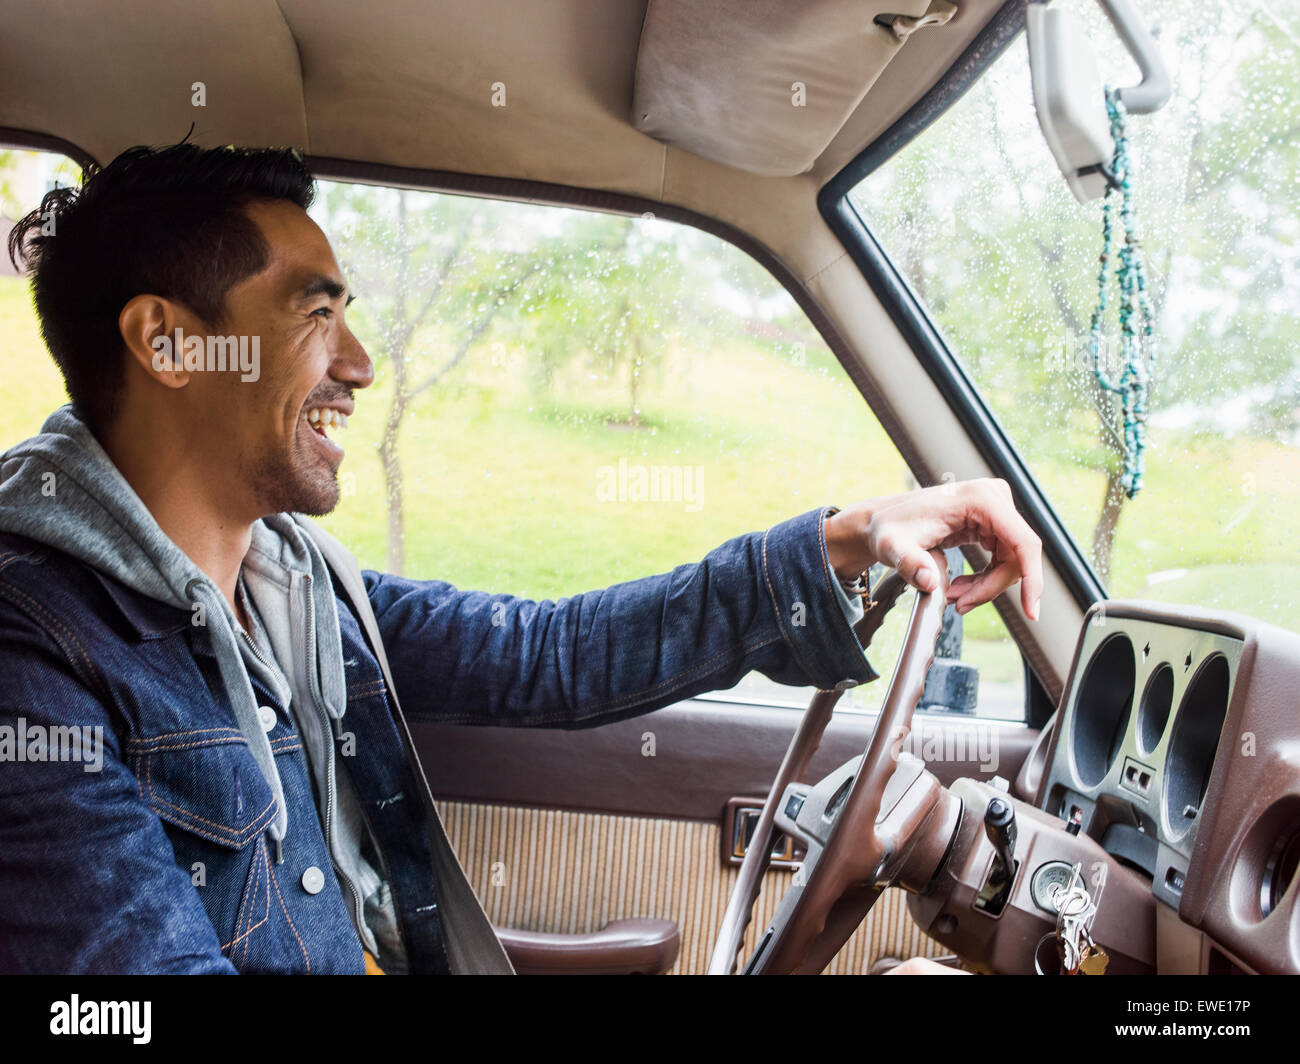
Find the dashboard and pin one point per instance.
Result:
(1177, 748)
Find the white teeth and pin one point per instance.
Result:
(326, 418)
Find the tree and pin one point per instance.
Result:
(434, 290)
(621, 294)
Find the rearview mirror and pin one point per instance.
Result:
(1068, 93)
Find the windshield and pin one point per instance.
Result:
(976, 216)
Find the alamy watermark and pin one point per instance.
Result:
(969, 744)
(77, 1017)
(209, 354)
(625, 482)
(22, 742)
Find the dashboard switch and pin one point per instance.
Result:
(1000, 826)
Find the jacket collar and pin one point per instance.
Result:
(147, 617)
(151, 619)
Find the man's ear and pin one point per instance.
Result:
(151, 329)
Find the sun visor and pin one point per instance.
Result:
(764, 85)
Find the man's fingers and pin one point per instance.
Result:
(1015, 536)
(957, 588)
(900, 552)
(987, 585)
(1029, 554)
(984, 513)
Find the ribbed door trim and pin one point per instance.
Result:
(568, 872)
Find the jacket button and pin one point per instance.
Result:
(267, 716)
(844, 685)
(313, 880)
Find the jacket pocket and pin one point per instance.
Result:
(206, 782)
(207, 788)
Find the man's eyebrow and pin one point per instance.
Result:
(319, 285)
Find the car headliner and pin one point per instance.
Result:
(407, 83)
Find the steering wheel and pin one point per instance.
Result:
(879, 819)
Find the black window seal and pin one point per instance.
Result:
(914, 322)
(27, 140)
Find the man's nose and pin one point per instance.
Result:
(351, 363)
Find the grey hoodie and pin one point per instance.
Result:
(61, 489)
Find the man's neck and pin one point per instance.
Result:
(177, 492)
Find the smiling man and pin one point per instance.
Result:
(257, 806)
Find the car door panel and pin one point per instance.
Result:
(567, 831)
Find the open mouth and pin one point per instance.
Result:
(325, 420)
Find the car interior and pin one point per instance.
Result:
(1146, 756)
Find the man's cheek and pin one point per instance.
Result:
(285, 353)
(309, 343)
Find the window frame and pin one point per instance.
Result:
(26, 140)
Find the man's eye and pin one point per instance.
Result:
(324, 312)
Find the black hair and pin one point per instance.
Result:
(160, 221)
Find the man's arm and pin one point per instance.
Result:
(88, 879)
(765, 601)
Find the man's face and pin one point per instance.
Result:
(272, 436)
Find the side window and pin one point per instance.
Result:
(563, 400)
(567, 399)
(33, 386)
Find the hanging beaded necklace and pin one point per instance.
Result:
(1137, 336)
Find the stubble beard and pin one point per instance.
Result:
(294, 483)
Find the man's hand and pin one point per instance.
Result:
(899, 530)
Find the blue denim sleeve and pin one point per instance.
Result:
(763, 601)
(88, 881)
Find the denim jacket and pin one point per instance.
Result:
(133, 814)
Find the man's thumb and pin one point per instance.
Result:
(918, 570)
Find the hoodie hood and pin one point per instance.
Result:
(61, 489)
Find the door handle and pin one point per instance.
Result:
(621, 947)
(738, 822)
